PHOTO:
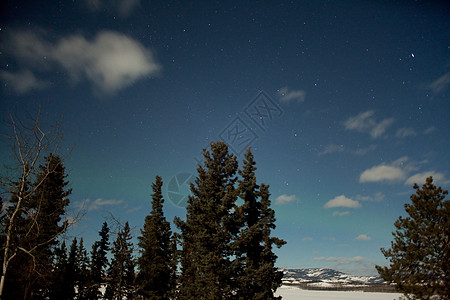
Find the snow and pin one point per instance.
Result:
(294, 293)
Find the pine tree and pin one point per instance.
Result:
(99, 263)
(157, 265)
(258, 277)
(121, 282)
(210, 228)
(420, 253)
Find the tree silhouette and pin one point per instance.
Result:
(420, 253)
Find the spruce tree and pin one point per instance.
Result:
(82, 276)
(157, 262)
(58, 287)
(420, 253)
(99, 263)
(269, 276)
(258, 277)
(37, 224)
(210, 228)
(121, 271)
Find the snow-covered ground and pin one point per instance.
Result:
(294, 293)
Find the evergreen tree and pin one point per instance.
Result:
(72, 270)
(37, 224)
(59, 286)
(82, 276)
(99, 263)
(269, 276)
(157, 262)
(210, 228)
(258, 277)
(420, 253)
(121, 282)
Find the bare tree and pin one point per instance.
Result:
(28, 173)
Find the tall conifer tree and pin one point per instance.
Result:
(121, 271)
(99, 263)
(420, 253)
(210, 228)
(157, 263)
(82, 278)
(258, 277)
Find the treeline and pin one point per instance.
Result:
(223, 249)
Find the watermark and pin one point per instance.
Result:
(238, 135)
(178, 189)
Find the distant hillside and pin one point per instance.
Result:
(328, 279)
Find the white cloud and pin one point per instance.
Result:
(377, 197)
(22, 81)
(341, 213)
(379, 129)
(335, 148)
(123, 7)
(332, 148)
(366, 122)
(341, 260)
(364, 151)
(97, 204)
(288, 96)
(360, 122)
(429, 130)
(111, 61)
(420, 178)
(382, 173)
(440, 84)
(363, 237)
(405, 132)
(283, 199)
(342, 201)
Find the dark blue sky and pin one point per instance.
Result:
(345, 104)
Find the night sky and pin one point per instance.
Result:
(344, 103)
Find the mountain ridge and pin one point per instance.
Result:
(327, 276)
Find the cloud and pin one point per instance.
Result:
(377, 197)
(382, 173)
(123, 7)
(379, 129)
(22, 81)
(366, 122)
(341, 213)
(283, 199)
(420, 178)
(363, 237)
(288, 96)
(357, 265)
(332, 148)
(110, 61)
(429, 130)
(405, 132)
(341, 260)
(364, 151)
(440, 84)
(98, 204)
(307, 238)
(342, 201)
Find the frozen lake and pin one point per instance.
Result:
(291, 293)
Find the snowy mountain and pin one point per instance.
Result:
(324, 278)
